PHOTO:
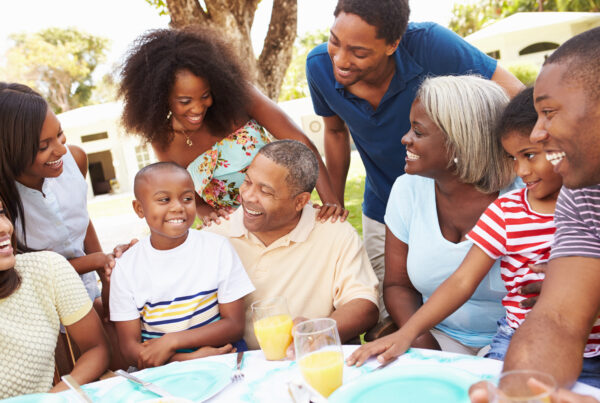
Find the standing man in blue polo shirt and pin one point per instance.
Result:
(364, 80)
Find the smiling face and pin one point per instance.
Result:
(166, 198)
(355, 51)
(532, 166)
(189, 100)
(568, 126)
(48, 162)
(7, 254)
(271, 210)
(426, 152)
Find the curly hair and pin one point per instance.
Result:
(390, 17)
(148, 76)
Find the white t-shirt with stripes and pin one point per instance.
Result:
(511, 230)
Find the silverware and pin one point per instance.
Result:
(304, 393)
(238, 375)
(157, 390)
(75, 387)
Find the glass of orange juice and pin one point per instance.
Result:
(522, 386)
(319, 354)
(272, 326)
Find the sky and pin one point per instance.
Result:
(123, 20)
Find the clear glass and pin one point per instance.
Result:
(319, 354)
(272, 326)
(520, 386)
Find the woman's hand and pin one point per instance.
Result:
(333, 210)
(387, 349)
(123, 247)
(215, 216)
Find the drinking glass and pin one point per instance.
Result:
(272, 326)
(517, 387)
(319, 354)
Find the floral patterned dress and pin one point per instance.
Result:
(219, 171)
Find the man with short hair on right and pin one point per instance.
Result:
(321, 268)
(563, 325)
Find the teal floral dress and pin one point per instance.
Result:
(219, 171)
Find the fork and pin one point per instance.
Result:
(238, 375)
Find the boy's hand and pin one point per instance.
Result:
(156, 352)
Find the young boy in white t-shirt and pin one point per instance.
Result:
(183, 288)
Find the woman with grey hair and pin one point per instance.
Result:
(455, 167)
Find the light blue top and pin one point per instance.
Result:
(411, 215)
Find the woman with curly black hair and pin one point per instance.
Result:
(186, 94)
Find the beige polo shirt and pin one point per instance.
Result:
(318, 266)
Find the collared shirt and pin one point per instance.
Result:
(426, 49)
(317, 266)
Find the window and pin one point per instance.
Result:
(142, 155)
(538, 47)
(494, 53)
(93, 137)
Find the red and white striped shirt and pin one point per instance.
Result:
(511, 230)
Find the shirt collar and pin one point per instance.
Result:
(299, 234)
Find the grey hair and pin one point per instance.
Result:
(467, 109)
(298, 159)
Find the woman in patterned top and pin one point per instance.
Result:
(186, 94)
(38, 291)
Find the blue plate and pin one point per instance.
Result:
(37, 398)
(193, 380)
(414, 384)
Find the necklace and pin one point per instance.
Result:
(188, 140)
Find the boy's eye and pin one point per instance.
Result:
(529, 155)
(164, 200)
(188, 199)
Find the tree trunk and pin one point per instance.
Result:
(234, 18)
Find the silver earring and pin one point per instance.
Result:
(455, 160)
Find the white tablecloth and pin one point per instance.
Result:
(266, 381)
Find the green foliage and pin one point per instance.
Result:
(58, 63)
(470, 17)
(160, 5)
(525, 72)
(294, 83)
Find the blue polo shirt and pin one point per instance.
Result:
(426, 49)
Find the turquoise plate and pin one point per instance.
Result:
(37, 398)
(193, 380)
(414, 384)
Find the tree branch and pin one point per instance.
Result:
(277, 49)
(186, 12)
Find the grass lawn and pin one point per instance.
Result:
(355, 187)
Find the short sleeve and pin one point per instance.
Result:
(451, 54)
(122, 301)
(234, 283)
(316, 75)
(354, 276)
(577, 224)
(71, 299)
(489, 234)
(399, 208)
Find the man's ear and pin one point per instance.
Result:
(391, 47)
(137, 207)
(301, 200)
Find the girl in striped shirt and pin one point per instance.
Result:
(518, 228)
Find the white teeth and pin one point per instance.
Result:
(5, 243)
(412, 156)
(179, 221)
(252, 212)
(54, 162)
(555, 157)
(195, 118)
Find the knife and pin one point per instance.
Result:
(74, 385)
(157, 390)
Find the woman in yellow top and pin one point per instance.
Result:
(38, 292)
(186, 94)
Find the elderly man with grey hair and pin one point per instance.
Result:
(320, 267)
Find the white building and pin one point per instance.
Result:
(530, 37)
(114, 157)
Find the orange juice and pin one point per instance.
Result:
(274, 334)
(323, 370)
